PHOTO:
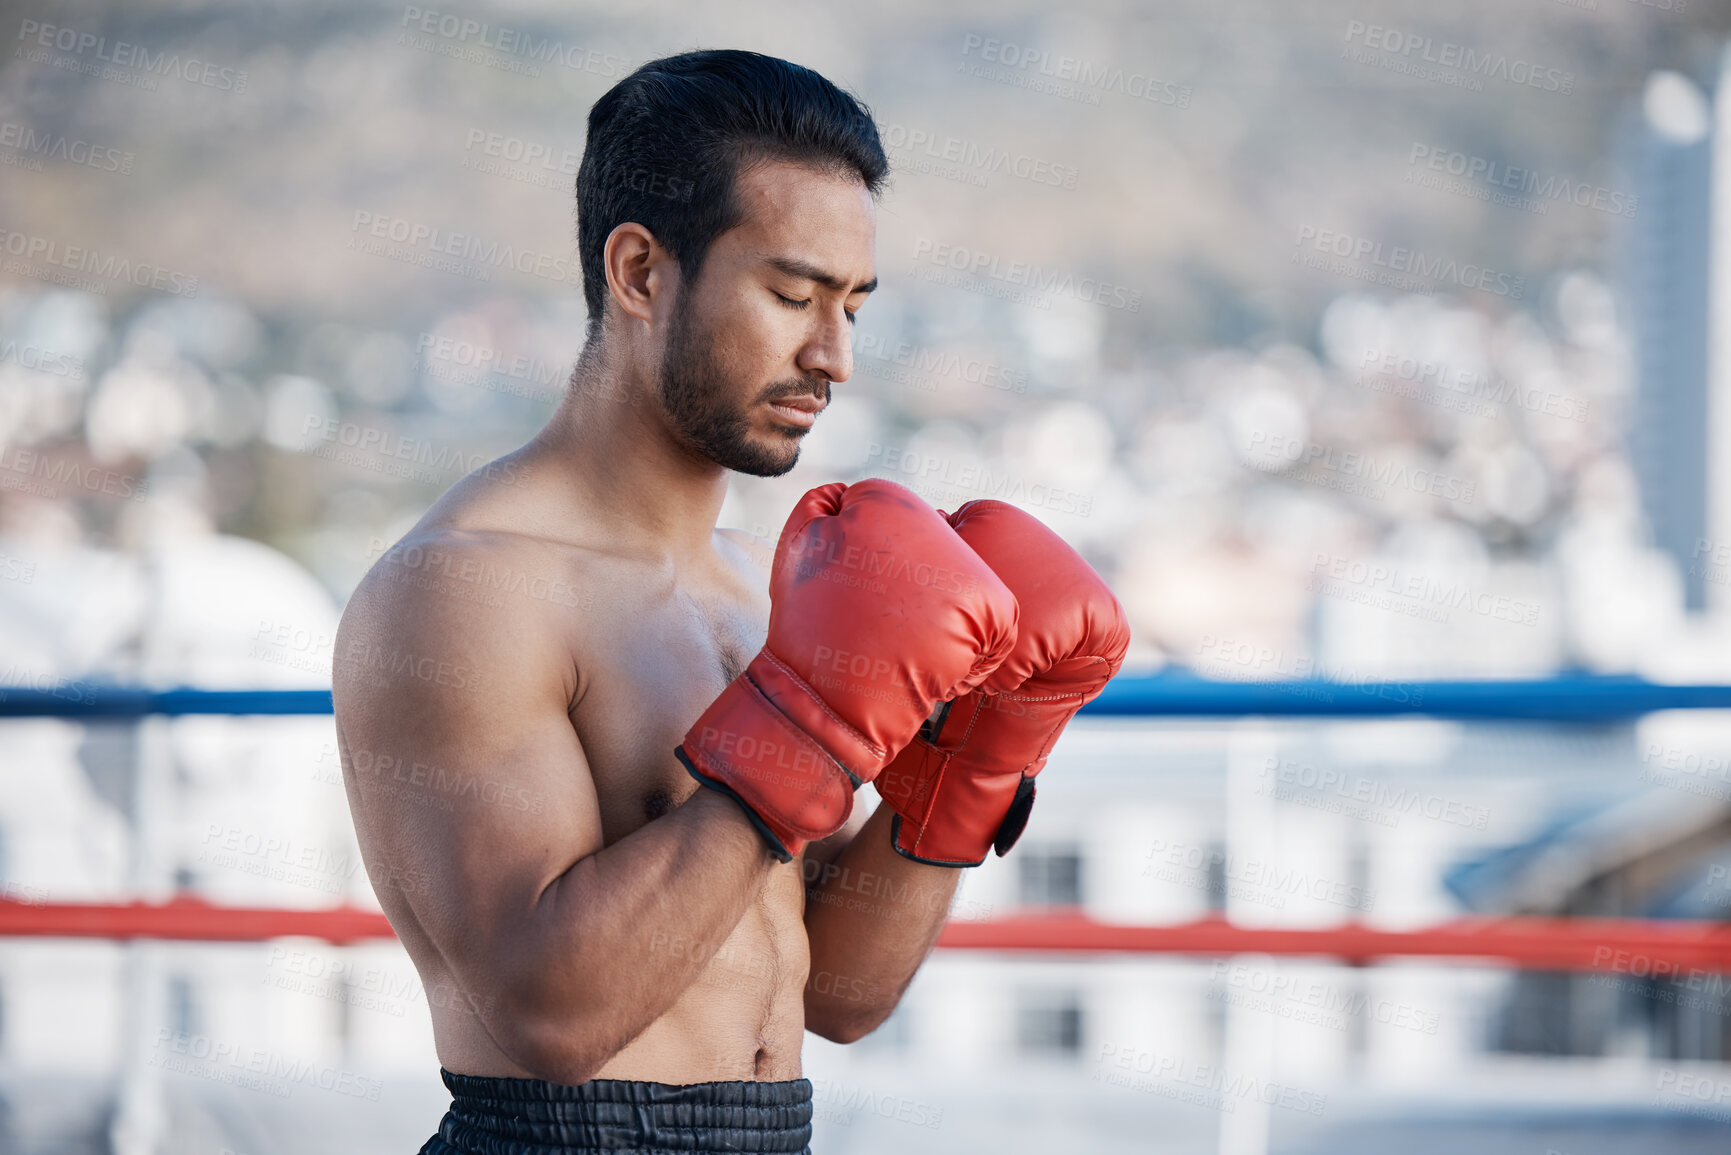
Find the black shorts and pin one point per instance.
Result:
(529, 1117)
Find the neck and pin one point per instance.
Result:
(610, 450)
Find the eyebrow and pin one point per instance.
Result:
(794, 267)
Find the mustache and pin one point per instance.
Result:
(818, 389)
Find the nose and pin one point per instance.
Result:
(828, 349)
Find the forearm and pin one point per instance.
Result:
(616, 939)
(872, 916)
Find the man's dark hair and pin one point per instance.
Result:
(666, 146)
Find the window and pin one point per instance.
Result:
(1050, 876)
(1049, 1023)
(183, 1006)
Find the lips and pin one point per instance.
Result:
(809, 405)
(800, 412)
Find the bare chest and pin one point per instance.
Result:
(655, 661)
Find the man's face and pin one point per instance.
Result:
(754, 343)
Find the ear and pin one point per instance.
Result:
(639, 271)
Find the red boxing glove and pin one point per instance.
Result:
(878, 612)
(967, 782)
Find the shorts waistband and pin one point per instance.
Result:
(496, 1116)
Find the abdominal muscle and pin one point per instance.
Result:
(743, 1018)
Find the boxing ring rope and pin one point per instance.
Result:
(1654, 947)
(1557, 944)
(1578, 699)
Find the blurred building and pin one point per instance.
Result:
(1661, 853)
(1211, 467)
(1670, 273)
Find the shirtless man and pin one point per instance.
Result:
(615, 958)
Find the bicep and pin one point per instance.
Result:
(465, 771)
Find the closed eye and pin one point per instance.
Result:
(793, 304)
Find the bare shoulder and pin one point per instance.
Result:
(443, 602)
(455, 671)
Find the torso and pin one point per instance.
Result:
(651, 648)
(666, 649)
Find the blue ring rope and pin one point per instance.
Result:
(1582, 699)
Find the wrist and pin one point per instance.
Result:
(722, 815)
(790, 787)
